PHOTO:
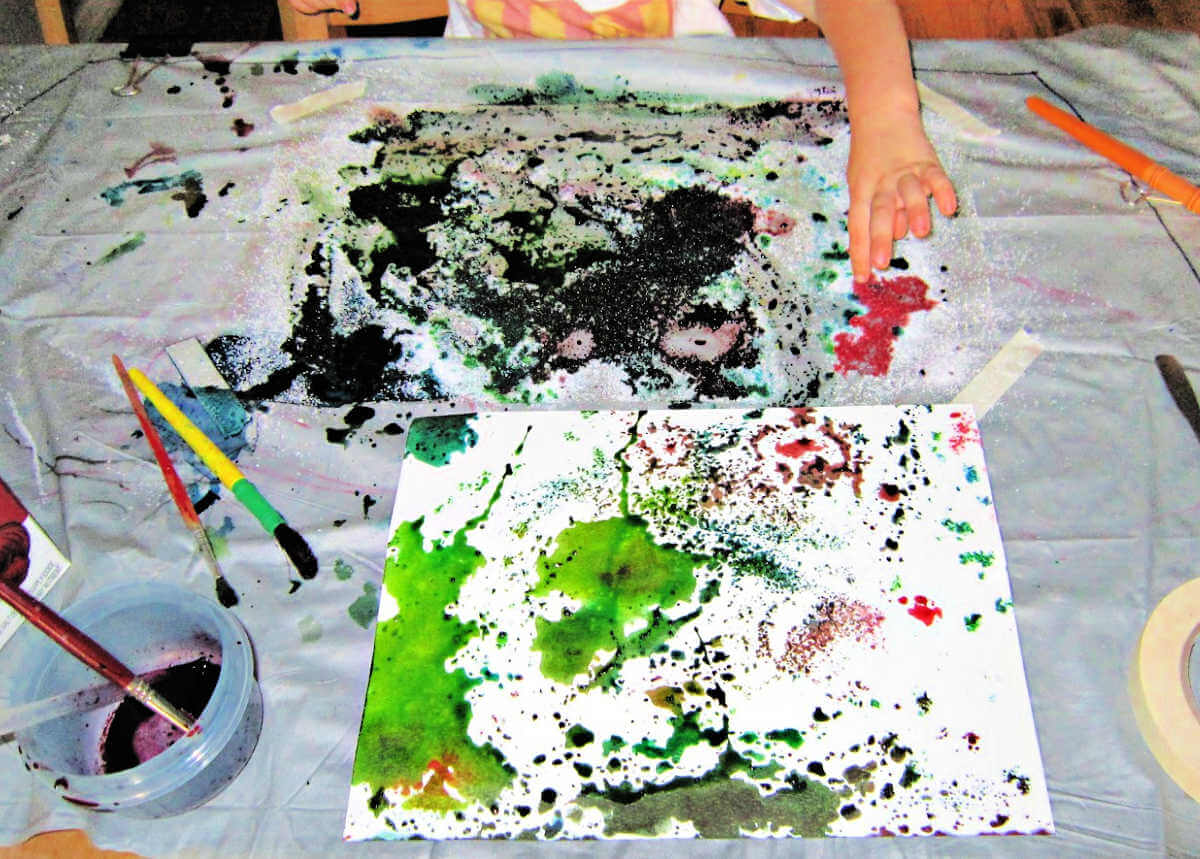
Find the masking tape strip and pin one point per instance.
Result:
(194, 365)
(999, 374)
(1160, 688)
(285, 113)
(208, 385)
(955, 114)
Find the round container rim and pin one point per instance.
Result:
(159, 775)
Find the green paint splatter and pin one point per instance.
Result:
(416, 716)
(791, 736)
(971, 621)
(984, 559)
(434, 440)
(710, 591)
(763, 566)
(578, 735)
(825, 277)
(620, 575)
(364, 609)
(686, 732)
(560, 88)
(896, 584)
(130, 244)
(613, 743)
(971, 474)
(717, 805)
(310, 629)
(342, 570)
(957, 527)
(218, 537)
(875, 703)
(1003, 605)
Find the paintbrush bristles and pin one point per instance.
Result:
(297, 550)
(1176, 380)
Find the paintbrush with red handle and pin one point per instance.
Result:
(71, 639)
(225, 592)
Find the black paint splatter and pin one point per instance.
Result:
(632, 294)
(327, 66)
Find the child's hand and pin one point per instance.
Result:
(314, 7)
(892, 173)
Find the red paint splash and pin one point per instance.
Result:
(889, 303)
(803, 416)
(815, 455)
(794, 449)
(965, 432)
(889, 492)
(772, 222)
(922, 609)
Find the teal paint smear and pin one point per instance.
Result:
(187, 402)
(224, 407)
(130, 244)
(342, 570)
(115, 196)
(984, 559)
(971, 474)
(364, 609)
(959, 528)
(434, 440)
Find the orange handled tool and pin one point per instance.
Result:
(1126, 157)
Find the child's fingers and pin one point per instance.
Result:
(916, 204)
(900, 228)
(883, 222)
(860, 238)
(941, 189)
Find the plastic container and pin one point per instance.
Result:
(149, 626)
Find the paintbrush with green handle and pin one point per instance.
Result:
(230, 476)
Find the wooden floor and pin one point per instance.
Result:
(1000, 19)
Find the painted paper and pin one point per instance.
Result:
(696, 623)
(571, 245)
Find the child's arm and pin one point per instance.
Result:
(893, 169)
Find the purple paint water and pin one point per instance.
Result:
(134, 734)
